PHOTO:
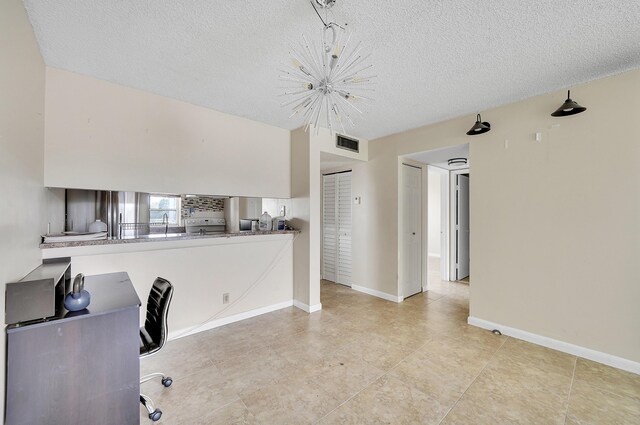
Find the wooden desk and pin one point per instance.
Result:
(79, 368)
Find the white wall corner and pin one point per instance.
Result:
(227, 320)
(379, 294)
(565, 347)
(306, 307)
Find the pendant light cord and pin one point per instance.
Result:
(322, 20)
(318, 13)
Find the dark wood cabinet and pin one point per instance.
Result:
(78, 368)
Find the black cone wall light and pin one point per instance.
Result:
(479, 127)
(569, 107)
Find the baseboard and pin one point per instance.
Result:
(306, 307)
(229, 319)
(565, 347)
(379, 294)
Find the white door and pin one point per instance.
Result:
(336, 228)
(462, 227)
(411, 230)
(344, 228)
(329, 228)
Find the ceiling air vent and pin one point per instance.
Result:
(347, 143)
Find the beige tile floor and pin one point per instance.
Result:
(363, 360)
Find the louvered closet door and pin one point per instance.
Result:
(344, 228)
(329, 228)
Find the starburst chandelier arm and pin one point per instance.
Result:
(346, 114)
(294, 79)
(353, 64)
(326, 106)
(322, 58)
(302, 77)
(311, 109)
(311, 55)
(346, 57)
(304, 94)
(347, 72)
(297, 98)
(359, 80)
(335, 115)
(302, 106)
(343, 96)
(308, 115)
(316, 112)
(354, 74)
(301, 67)
(344, 49)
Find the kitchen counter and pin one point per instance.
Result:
(161, 237)
(154, 242)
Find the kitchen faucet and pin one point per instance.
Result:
(165, 221)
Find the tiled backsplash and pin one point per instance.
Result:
(201, 203)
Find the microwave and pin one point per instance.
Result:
(245, 224)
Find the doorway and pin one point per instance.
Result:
(460, 228)
(441, 259)
(437, 224)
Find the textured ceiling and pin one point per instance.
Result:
(435, 59)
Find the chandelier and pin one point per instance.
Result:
(330, 81)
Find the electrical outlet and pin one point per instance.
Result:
(283, 210)
(225, 298)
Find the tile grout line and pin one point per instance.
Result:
(372, 382)
(573, 378)
(350, 398)
(393, 367)
(472, 382)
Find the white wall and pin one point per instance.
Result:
(256, 271)
(101, 135)
(250, 207)
(273, 205)
(300, 192)
(434, 202)
(555, 234)
(24, 199)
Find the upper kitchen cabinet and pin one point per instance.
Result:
(100, 135)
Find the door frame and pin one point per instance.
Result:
(452, 219)
(323, 174)
(444, 221)
(423, 223)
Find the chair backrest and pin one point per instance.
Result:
(158, 310)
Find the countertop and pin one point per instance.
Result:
(161, 237)
(109, 292)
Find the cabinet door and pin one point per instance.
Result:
(329, 228)
(344, 228)
(82, 371)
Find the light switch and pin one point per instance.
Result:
(356, 200)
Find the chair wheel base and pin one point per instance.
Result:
(155, 415)
(167, 381)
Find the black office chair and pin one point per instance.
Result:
(154, 335)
